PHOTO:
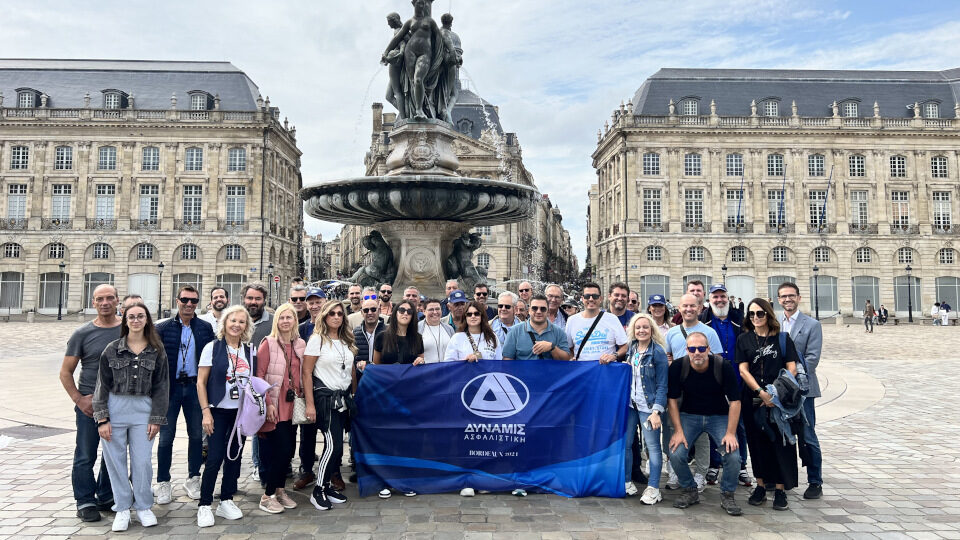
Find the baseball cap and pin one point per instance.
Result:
(656, 299)
(718, 287)
(457, 296)
(316, 291)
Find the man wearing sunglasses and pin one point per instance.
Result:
(602, 340)
(480, 294)
(184, 336)
(704, 398)
(386, 305)
(525, 290)
(356, 319)
(537, 338)
(506, 315)
(298, 297)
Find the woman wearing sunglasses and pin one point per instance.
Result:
(400, 343)
(129, 406)
(760, 360)
(475, 339)
(328, 362)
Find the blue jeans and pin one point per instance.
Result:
(87, 489)
(741, 440)
(651, 439)
(814, 467)
(715, 427)
(182, 396)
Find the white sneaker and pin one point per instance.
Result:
(146, 518)
(122, 521)
(385, 493)
(204, 517)
(631, 489)
(164, 493)
(467, 492)
(228, 510)
(192, 487)
(651, 495)
(255, 475)
(673, 482)
(701, 482)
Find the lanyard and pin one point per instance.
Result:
(184, 349)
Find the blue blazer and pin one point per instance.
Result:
(807, 336)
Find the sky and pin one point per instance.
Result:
(556, 68)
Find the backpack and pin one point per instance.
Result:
(718, 362)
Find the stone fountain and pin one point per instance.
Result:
(421, 210)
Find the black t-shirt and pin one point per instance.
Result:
(701, 393)
(403, 353)
(763, 356)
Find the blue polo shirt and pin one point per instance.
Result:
(519, 346)
(677, 344)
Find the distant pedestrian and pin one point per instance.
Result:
(868, 314)
(935, 314)
(944, 313)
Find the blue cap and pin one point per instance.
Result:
(457, 296)
(316, 291)
(656, 299)
(718, 287)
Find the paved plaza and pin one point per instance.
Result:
(889, 436)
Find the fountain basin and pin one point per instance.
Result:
(368, 200)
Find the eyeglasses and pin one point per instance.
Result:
(787, 296)
(370, 297)
(335, 314)
(473, 314)
(404, 311)
(480, 294)
(140, 317)
(370, 310)
(298, 298)
(538, 308)
(189, 300)
(504, 306)
(702, 348)
(591, 296)
(757, 314)
(524, 290)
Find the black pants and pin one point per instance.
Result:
(308, 447)
(276, 449)
(332, 449)
(223, 420)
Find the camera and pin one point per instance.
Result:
(234, 392)
(290, 395)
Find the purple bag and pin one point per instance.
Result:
(251, 414)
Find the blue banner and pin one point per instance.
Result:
(540, 425)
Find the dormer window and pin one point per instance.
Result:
(690, 107)
(849, 109)
(27, 98)
(771, 108)
(931, 110)
(200, 100)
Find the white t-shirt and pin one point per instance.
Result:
(606, 338)
(334, 362)
(212, 319)
(459, 348)
(435, 342)
(243, 370)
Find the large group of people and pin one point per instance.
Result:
(712, 387)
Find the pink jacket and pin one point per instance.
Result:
(275, 372)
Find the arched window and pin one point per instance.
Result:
(821, 254)
(188, 252)
(11, 251)
(771, 108)
(697, 254)
(931, 110)
(738, 254)
(483, 260)
(144, 252)
(905, 255)
(780, 254)
(56, 251)
(946, 256)
(101, 251)
(654, 253)
(690, 107)
(233, 252)
(850, 109)
(864, 255)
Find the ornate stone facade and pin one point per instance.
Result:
(854, 173)
(115, 185)
(538, 248)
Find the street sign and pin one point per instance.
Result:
(276, 279)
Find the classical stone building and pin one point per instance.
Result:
(843, 181)
(315, 267)
(110, 169)
(537, 249)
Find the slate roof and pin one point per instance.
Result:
(150, 82)
(813, 90)
(468, 114)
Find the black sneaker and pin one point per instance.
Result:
(729, 504)
(353, 478)
(689, 497)
(780, 500)
(105, 506)
(758, 497)
(88, 514)
(319, 499)
(712, 475)
(334, 496)
(814, 491)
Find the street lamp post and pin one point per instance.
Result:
(62, 265)
(270, 285)
(909, 295)
(160, 293)
(723, 274)
(816, 291)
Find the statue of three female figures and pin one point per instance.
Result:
(424, 62)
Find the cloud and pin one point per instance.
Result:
(556, 68)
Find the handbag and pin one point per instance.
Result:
(299, 411)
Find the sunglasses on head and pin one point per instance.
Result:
(591, 296)
(538, 308)
(473, 314)
(189, 300)
(298, 298)
(702, 348)
(758, 314)
(370, 297)
(404, 311)
(370, 310)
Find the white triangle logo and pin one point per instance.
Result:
(496, 397)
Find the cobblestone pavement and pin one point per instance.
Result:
(891, 466)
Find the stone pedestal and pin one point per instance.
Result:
(421, 148)
(420, 249)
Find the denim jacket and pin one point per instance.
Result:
(125, 373)
(653, 375)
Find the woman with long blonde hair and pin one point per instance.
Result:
(281, 355)
(648, 398)
(328, 363)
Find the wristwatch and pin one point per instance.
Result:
(552, 347)
(758, 390)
